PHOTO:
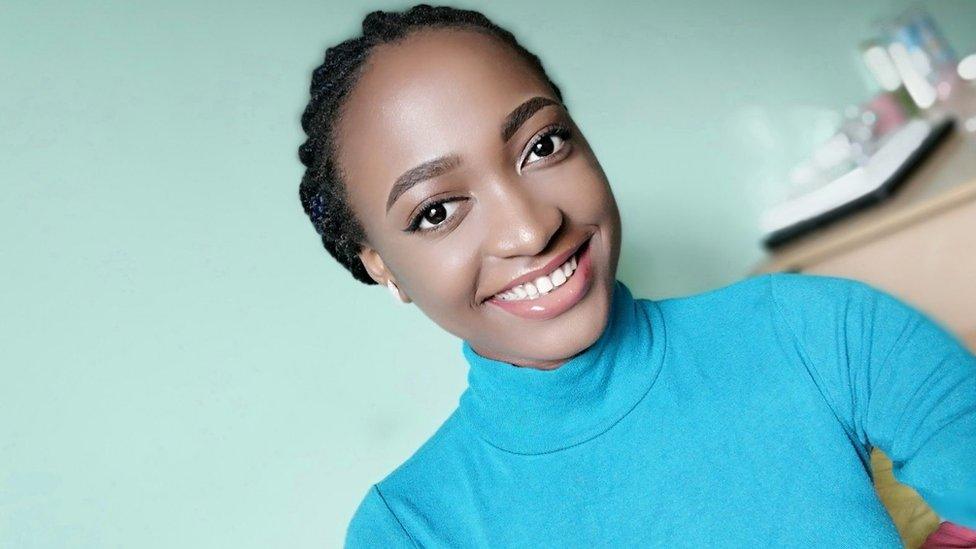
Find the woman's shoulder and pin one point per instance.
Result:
(758, 304)
(447, 454)
(729, 299)
(429, 457)
(420, 482)
(755, 290)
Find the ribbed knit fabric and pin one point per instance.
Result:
(743, 416)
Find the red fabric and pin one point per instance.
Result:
(951, 536)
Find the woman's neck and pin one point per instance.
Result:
(531, 410)
(538, 364)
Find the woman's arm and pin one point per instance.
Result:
(895, 379)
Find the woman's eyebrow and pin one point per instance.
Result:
(440, 165)
(523, 112)
(422, 172)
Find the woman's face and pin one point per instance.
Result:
(471, 180)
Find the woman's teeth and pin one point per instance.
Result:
(542, 285)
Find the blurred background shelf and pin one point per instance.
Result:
(919, 245)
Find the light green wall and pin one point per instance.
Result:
(182, 364)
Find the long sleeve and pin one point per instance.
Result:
(374, 525)
(895, 379)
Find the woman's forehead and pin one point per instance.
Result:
(434, 84)
(443, 71)
(433, 93)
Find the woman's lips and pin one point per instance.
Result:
(558, 300)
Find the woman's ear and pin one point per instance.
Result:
(378, 271)
(374, 265)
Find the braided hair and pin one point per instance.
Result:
(322, 191)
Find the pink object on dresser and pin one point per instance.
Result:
(951, 536)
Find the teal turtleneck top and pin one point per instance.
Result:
(743, 416)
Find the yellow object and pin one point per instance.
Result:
(914, 519)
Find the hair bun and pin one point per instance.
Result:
(389, 24)
(378, 23)
(306, 153)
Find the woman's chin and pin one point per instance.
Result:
(546, 344)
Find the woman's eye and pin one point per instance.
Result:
(549, 143)
(435, 214)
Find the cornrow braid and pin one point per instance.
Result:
(322, 190)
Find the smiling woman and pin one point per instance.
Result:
(468, 198)
(443, 162)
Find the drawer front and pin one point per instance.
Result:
(931, 265)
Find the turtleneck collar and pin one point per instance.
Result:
(531, 411)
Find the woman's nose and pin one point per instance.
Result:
(521, 223)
